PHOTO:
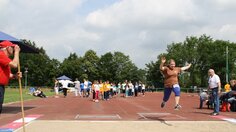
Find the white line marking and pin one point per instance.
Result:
(27, 120)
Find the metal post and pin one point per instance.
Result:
(26, 71)
(227, 65)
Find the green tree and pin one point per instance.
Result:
(118, 67)
(90, 65)
(72, 66)
(106, 67)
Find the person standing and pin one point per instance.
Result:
(93, 90)
(97, 90)
(86, 88)
(64, 84)
(101, 89)
(171, 82)
(77, 87)
(6, 50)
(143, 89)
(215, 86)
(56, 88)
(106, 88)
(136, 89)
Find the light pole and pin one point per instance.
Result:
(227, 65)
(26, 71)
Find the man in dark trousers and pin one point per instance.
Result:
(6, 50)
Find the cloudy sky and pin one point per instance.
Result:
(141, 29)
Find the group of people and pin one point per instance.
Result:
(106, 89)
(101, 90)
(229, 96)
(170, 73)
(83, 89)
(226, 96)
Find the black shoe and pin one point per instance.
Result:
(214, 114)
(163, 104)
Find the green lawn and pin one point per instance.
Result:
(13, 94)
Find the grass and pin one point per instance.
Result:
(13, 94)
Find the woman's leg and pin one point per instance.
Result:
(176, 90)
(167, 93)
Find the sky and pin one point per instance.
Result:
(141, 29)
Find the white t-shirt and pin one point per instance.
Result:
(96, 87)
(123, 86)
(77, 84)
(204, 95)
(213, 81)
(85, 84)
(143, 86)
(64, 83)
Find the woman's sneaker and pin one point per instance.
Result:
(177, 107)
(163, 104)
(214, 114)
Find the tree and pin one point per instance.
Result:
(118, 67)
(90, 65)
(106, 67)
(72, 66)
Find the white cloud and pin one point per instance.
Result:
(139, 28)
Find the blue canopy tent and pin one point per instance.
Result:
(63, 78)
(24, 47)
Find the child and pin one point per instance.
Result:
(204, 96)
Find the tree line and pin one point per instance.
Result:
(115, 67)
(202, 52)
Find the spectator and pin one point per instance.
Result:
(6, 50)
(215, 86)
(65, 84)
(227, 87)
(77, 87)
(203, 97)
(143, 89)
(39, 93)
(229, 96)
(56, 88)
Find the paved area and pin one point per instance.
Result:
(133, 113)
(130, 126)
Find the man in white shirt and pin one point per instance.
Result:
(64, 86)
(86, 87)
(215, 86)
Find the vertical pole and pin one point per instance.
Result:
(21, 99)
(227, 65)
(26, 72)
(25, 79)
